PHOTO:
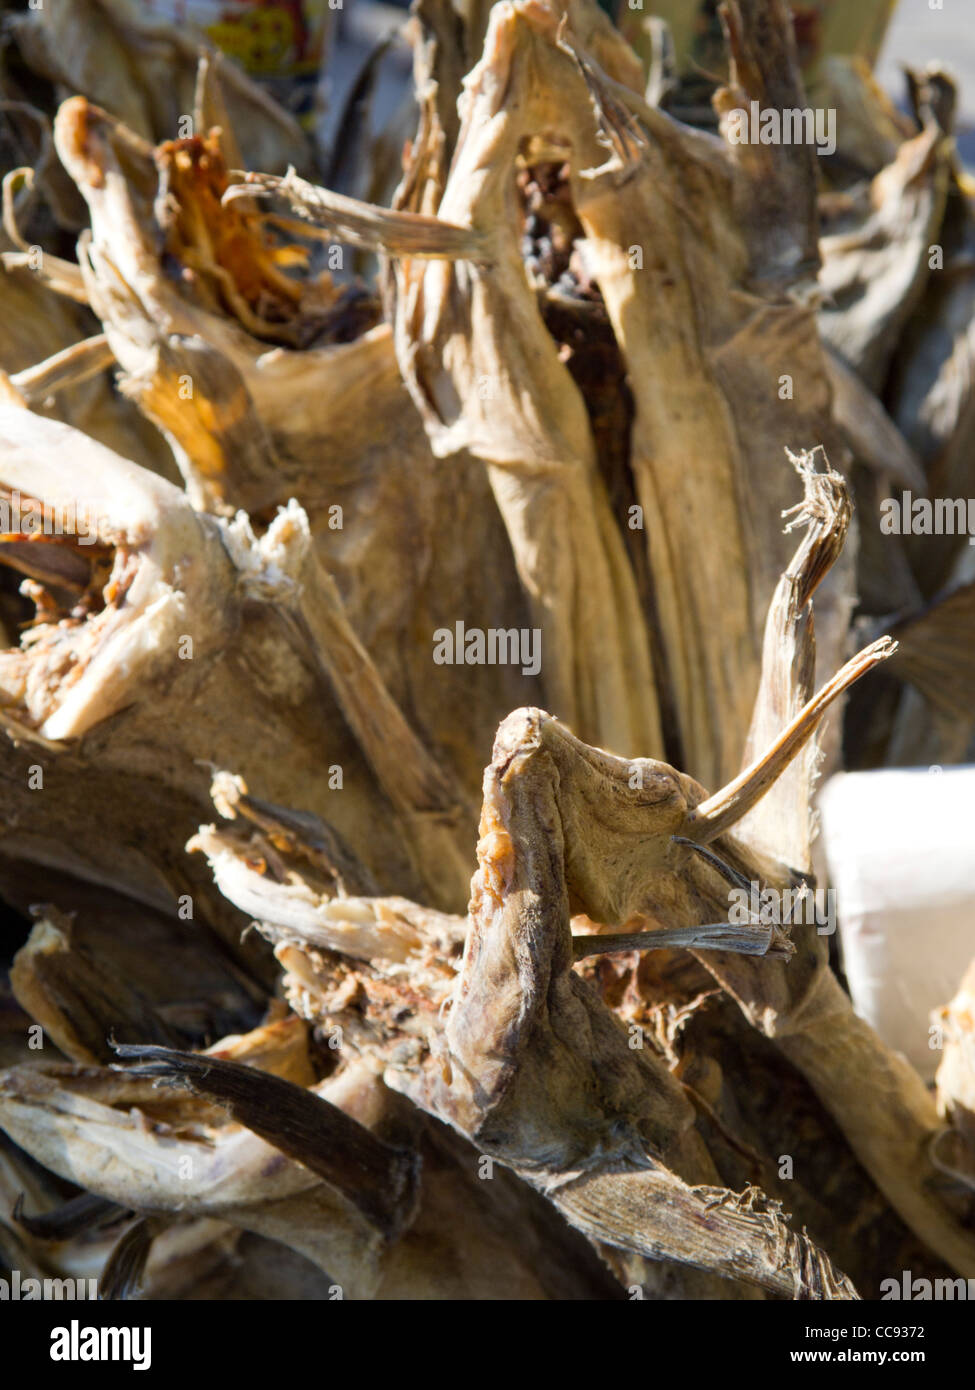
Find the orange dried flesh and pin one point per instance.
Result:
(224, 240)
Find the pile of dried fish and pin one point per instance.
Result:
(290, 552)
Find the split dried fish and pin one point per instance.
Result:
(607, 354)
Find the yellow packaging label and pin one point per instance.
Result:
(269, 38)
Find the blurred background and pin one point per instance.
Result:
(336, 61)
(915, 34)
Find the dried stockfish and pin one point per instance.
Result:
(259, 641)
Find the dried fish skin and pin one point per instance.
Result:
(236, 740)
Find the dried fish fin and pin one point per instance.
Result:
(122, 1275)
(338, 217)
(720, 812)
(380, 1181)
(708, 936)
(77, 1214)
(740, 1235)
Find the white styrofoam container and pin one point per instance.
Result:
(901, 851)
